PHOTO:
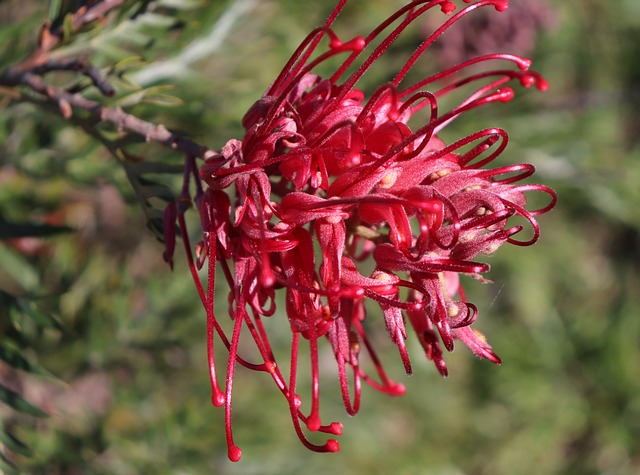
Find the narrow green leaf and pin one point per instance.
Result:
(18, 268)
(181, 4)
(159, 191)
(30, 309)
(156, 20)
(7, 467)
(7, 300)
(146, 188)
(20, 404)
(18, 230)
(142, 95)
(67, 27)
(131, 99)
(54, 9)
(13, 443)
(129, 62)
(140, 168)
(112, 49)
(12, 356)
(156, 226)
(163, 100)
(19, 308)
(130, 36)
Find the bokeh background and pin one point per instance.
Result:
(129, 337)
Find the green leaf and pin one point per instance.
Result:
(112, 50)
(20, 404)
(145, 95)
(29, 308)
(155, 223)
(54, 9)
(156, 20)
(151, 190)
(19, 268)
(141, 168)
(67, 27)
(146, 188)
(136, 61)
(7, 467)
(21, 307)
(13, 443)
(13, 357)
(180, 4)
(163, 100)
(18, 230)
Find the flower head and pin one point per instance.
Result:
(335, 199)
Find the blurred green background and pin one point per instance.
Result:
(563, 315)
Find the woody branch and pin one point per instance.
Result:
(30, 74)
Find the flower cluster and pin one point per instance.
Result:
(337, 200)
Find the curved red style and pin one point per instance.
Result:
(327, 183)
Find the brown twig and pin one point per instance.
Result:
(97, 78)
(49, 39)
(67, 102)
(29, 73)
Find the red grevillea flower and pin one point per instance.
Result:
(327, 183)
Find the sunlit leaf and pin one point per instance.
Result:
(67, 27)
(181, 4)
(163, 100)
(145, 95)
(157, 20)
(54, 9)
(131, 61)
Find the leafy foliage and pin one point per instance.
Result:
(562, 318)
(13, 346)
